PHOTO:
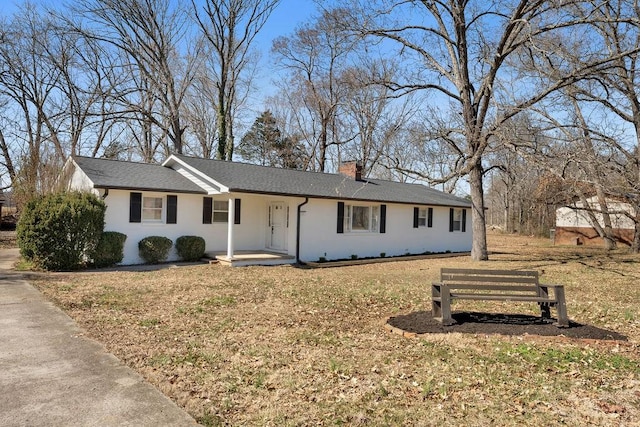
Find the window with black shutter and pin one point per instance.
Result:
(207, 210)
(236, 211)
(172, 209)
(135, 207)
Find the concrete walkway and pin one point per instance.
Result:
(51, 375)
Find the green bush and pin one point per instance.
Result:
(110, 249)
(190, 248)
(154, 249)
(61, 231)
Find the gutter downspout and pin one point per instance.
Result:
(306, 200)
(106, 193)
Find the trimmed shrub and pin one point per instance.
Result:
(190, 248)
(61, 231)
(154, 249)
(110, 249)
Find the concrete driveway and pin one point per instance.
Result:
(52, 375)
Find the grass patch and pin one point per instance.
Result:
(287, 346)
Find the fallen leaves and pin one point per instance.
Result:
(287, 346)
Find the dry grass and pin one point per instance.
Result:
(285, 346)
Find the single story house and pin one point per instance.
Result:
(278, 215)
(575, 223)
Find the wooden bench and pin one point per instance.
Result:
(495, 285)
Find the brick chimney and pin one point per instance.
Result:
(352, 169)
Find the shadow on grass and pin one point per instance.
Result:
(422, 322)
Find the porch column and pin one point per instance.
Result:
(230, 228)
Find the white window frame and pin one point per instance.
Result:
(422, 216)
(144, 217)
(457, 219)
(220, 211)
(372, 217)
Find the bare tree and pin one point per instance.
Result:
(149, 35)
(461, 50)
(230, 27)
(28, 85)
(371, 114)
(617, 90)
(315, 57)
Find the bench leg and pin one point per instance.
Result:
(441, 304)
(446, 307)
(436, 301)
(545, 309)
(561, 308)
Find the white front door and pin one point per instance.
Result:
(277, 233)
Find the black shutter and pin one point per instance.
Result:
(416, 213)
(236, 211)
(383, 218)
(207, 210)
(430, 218)
(451, 219)
(172, 209)
(463, 226)
(135, 207)
(340, 217)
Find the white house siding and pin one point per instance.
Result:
(79, 181)
(319, 236)
(189, 221)
(250, 234)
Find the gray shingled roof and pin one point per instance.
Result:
(135, 176)
(247, 178)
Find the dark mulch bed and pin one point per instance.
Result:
(421, 322)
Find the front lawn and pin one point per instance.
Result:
(287, 346)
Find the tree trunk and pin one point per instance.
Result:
(635, 245)
(222, 132)
(479, 227)
(608, 236)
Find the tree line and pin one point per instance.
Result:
(526, 104)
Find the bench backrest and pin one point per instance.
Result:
(499, 279)
(492, 276)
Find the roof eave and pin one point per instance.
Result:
(355, 199)
(155, 190)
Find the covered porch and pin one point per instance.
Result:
(262, 234)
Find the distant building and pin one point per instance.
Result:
(575, 226)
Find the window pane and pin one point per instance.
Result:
(152, 202)
(360, 218)
(220, 211)
(152, 214)
(422, 218)
(152, 208)
(374, 218)
(347, 218)
(220, 205)
(457, 219)
(220, 216)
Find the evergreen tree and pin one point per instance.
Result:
(264, 144)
